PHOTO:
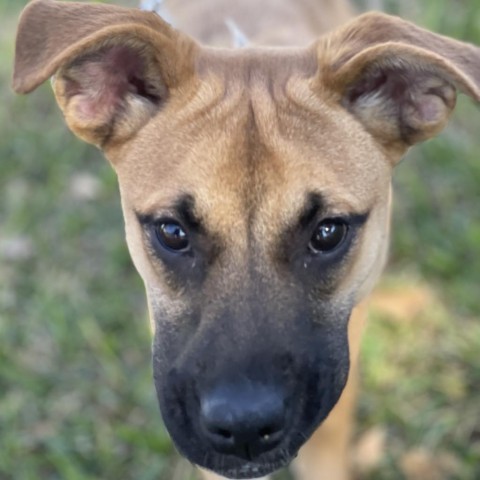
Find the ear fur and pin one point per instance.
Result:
(113, 66)
(397, 79)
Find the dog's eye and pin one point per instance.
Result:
(328, 235)
(172, 236)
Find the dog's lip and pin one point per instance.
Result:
(252, 469)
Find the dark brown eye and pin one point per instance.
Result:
(328, 235)
(172, 236)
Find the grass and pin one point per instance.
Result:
(77, 400)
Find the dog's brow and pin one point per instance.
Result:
(182, 210)
(185, 208)
(316, 206)
(313, 204)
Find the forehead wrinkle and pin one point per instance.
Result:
(215, 101)
(237, 182)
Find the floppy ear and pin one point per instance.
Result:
(397, 79)
(114, 66)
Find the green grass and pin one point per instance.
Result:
(76, 396)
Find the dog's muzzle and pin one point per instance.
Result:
(250, 420)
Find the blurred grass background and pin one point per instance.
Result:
(76, 396)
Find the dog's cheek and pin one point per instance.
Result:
(371, 254)
(135, 242)
(176, 323)
(175, 388)
(324, 387)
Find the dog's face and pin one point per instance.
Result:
(254, 248)
(255, 187)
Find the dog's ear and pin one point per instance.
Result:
(114, 67)
(397, 79)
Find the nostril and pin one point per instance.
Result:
(216, 424)
(222, 432)
(221, 439)
(268, 432)
(265, 433)
(271, 435)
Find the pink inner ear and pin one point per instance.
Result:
(105, 78)
(430, 108)
(412, 104)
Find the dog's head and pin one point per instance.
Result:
(255, 186)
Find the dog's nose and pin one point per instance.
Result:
(244, 420)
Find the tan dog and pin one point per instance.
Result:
(255, 185)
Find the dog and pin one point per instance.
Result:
(256, 188)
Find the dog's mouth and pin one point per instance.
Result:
(230, 467)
